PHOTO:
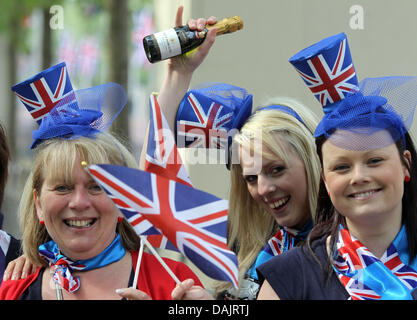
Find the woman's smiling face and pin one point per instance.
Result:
(365, 186)
(78, 215)
(278, 186)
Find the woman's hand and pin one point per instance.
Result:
(132, 294)
(19, 268)
(179, 73)
(181, 68)
(188, 63)
(186, 290)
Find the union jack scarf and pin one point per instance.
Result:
(62, 266)
(366, 277)
(282, 241)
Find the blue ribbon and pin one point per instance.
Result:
(376, 276)
(63, 265)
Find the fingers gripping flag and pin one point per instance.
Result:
(192, 220)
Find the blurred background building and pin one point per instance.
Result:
(101, 41)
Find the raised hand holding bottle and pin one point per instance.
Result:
(179, 40)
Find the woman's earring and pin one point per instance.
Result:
(42, 223)
(407, 179)
(119, 219)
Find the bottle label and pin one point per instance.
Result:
(169, 43)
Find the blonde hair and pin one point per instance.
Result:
(249, 226)
(57, 157)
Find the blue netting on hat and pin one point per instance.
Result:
(382, 104)
(235, 98)
(93, 111)
(210, 113)
(223, 93)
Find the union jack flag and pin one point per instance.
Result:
(162, 156)
(353, 265)
(44, 91)
(392, 261)
(160, 241)
(357, 290)
(353, 256)
(330, 74)
(143, 226)
(61, 266)
(356, 255)
(276, 244)
(205, 128)
(192, 220)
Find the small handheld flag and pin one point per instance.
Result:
(162, 156)
(192, 220)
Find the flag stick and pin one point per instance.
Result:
(135, 280)
(157, 256)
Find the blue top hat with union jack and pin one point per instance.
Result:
(209, 114)
(327, 69)
(355, 114)
(63, 112)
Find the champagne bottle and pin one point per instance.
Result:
(179, 40)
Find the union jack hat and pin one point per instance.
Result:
(62, 112)
(361, 113)
(208, 114)
(327, 69)
(42, 92)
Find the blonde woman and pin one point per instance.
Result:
(63, 208)
(71, 230)
(274, 188)
(55, 177)
(273, 195)
(256, 216)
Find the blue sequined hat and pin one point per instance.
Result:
(208, 114)
(62, 112)
(360, 112)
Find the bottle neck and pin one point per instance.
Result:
(227, 25)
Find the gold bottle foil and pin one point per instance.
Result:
(227, 25)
